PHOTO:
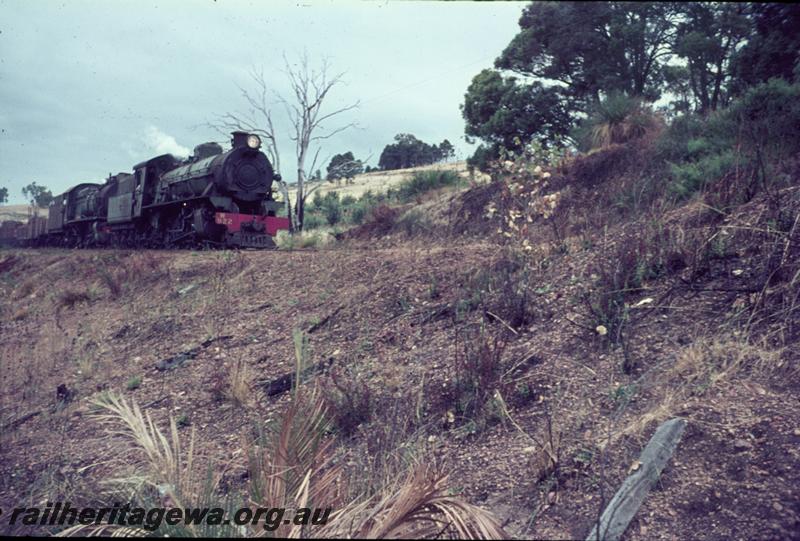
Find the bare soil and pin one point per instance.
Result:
(88, 322)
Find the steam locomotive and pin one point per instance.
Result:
(213, 198)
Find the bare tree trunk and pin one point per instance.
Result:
(310, 88)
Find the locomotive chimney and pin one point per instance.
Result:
(239, 139)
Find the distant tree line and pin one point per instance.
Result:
(408, 151)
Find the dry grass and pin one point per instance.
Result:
(239, 389)
(70, 297)
(418, 507)
(381, 181)
(25, 289)
(706, 363)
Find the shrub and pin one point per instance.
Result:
(691, 177)
(350, 400)
(358, 214)
(768, 115)
(414, 223)
(312, 220)
(425, 181)
(332, 208)
(671, 145)
(746, 142)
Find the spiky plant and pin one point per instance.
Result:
(619, 118)
(292, 467)
(167, 476)
(418, 507)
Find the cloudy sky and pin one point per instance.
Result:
(93, 87)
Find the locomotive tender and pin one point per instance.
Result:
(212, 198)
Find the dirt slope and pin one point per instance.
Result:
(402, 325)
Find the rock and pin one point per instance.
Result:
(188, 289)
(742, 445)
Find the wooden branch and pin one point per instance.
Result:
(20, 420)
(285, 382)
(626, 502)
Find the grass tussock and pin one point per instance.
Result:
(707, 363)
(303, 240)
(238, 389)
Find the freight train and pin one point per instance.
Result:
(213, 199)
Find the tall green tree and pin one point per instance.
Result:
(502, 111)
(37, 195)
(3, 195)
(344, 166)
(707, 38)
(446, 150)
(594, 48)
(773, 47)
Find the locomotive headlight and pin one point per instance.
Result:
(253, 141)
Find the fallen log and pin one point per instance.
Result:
(626, 502)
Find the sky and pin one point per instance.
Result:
(90, 87)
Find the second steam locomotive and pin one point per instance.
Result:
(213, 198)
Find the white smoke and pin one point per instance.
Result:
(161, 143)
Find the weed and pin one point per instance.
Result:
(350, 399)
(475, 375)
(134, 383)
(621, 395)
(111, 282)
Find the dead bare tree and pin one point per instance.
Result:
(304, 110)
